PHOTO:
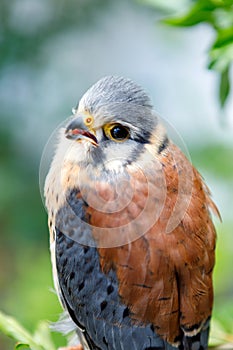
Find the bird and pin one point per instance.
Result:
(132, 237)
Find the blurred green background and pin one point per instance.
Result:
(51, 51)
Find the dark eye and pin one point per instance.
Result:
(116, 132)
(119, 133)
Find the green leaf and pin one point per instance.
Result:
(201, 11)
(224, 88)
(41, 340)
(224, 37)
(13, 329)
(223, 18)
(21, 346)
(221, 57)
(219, 14)
(222, 3)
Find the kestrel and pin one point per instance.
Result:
(131, 235)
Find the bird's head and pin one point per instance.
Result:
(113, 148)
(114, 120)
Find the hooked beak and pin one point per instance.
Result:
(78, 131)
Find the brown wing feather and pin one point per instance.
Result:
(165, 277)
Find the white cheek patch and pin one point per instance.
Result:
(115, 165)
(77, 151)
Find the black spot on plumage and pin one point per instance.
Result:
(72, 275)
(70, 244)
(192, 343)
(85, 249)
(60, 254)
(142, 285)
(105, 341)
(175, 311)
(190, 329)
(143, 137)
(103, 305)
(64, 261)
(110, 289)
(164, 298)
(81, 286)
(126, 312)
(90, 269)
(163, 145)
(177, 340)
